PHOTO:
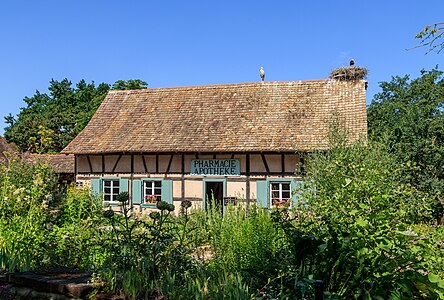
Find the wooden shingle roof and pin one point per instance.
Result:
(60, 163)
(269, 116)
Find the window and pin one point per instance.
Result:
(147, 191)
(273, 192)
(111, 188)
(152, 191)
(80, 184)
(280, 193)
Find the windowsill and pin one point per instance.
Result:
(114, 203)
(281, 207)
(149, 205)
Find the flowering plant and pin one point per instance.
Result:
(284, 203)
(151, 199)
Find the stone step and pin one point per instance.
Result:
(66, 282)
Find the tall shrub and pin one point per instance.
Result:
(26, 197)
(356, 201)
(74, 235)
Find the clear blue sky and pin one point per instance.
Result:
(180, 43)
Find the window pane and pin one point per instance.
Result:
(106, 198)
(116, 183)
(285, 195)
(157, 184)
(107, 183)
(275, 194)
(275, 186)
(158, 191)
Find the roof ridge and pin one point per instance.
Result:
(220, 85)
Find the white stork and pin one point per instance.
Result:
(262, 73)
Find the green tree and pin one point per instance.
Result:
(408, 115)
(50, 121)
(131, 84)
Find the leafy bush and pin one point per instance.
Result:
(358, 204)
(26, 199)
(146, 250)
(74, 237)
(244, 243)
(79, 205)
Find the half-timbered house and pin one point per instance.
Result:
(230, 141)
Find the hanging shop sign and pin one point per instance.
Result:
(215, 167)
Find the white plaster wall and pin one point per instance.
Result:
(124, 164)
(110, 162)
(138, 164)
(253, 190)
(274, 162)
(256, 163)
(82, 164)
(193, 189)
(291, 163)
(236, 189)
(177, 189)
(187, 163)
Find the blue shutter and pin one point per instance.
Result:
(262, 194)
(123, 185)
(137, 192)
(167, 190)
(296, 191)
(95, 186)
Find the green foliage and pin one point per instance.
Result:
(205, 286)
(26, 198)
(24, 185)
(294, 264)
(131, 84)
(146, 250)
(362, 213)
(244, 243)
(359, 226)
(408, 116)
(73, 238)
(79, 205)
(51, 121)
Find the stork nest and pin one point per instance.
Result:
(349, 73)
